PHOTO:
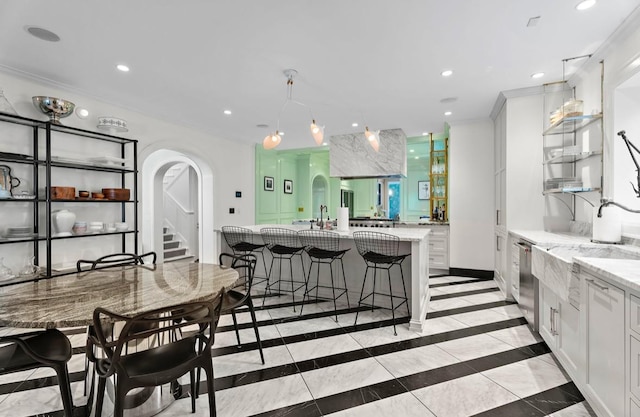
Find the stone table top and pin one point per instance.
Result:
(69, 301)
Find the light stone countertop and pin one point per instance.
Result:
(404, 234)
(625, 272)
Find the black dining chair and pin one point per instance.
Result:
(381, 251)
(157, 365)
(116, 259)
(234, 299)
(48, 348)
(106, 261)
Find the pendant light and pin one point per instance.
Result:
(372, 138)
(273, 140)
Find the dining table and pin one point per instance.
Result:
(69, 301)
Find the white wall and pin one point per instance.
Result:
(232, 163)
(471, 195)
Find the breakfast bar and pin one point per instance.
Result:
(413, 241)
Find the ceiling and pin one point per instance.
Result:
(374, 62)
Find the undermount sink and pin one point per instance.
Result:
(553, 265)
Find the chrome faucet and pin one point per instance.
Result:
(606, 203)
(321, 223)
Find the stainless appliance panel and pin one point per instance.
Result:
(528, 287)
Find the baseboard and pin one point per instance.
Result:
(471, 273)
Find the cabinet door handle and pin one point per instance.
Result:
(497, 217)
(551, 320)
(597, 284)
(555, 324)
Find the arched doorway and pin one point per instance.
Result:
(319, 194)
(154, 166)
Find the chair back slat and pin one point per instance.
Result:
(377, 243)
(278, 236)
(234, 235)
(320, 239)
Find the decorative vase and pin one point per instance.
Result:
(62, 221)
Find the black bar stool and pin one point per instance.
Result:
(380, 251)
(324, 248)
(242, 241)
(283, 245)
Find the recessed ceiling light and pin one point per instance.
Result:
(280, 132)
(446, 73)
(325, 144)
(585, 4)
(447, 113)
(81, 112)
(425, 133)
(417, 157)
(537, 75)
(122, 67)
(227, 112)
(42, 34)
(411, 150)
(354, 125)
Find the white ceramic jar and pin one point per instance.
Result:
(62, 222)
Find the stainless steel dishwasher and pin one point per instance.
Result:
(528, 286)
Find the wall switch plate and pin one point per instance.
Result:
(300, 209)
(238, 194)
(232, 210)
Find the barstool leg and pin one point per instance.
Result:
(268, 287)
(373, 292)
(293, 292)
(306, 287)
(344, 279)
(364, 281)
(333, 289)
(393, 310)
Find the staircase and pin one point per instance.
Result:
(174, 249)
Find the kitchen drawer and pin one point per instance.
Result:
(438, 244)
(634, 365)
(439, 232)
(634, 314)
(438, 260)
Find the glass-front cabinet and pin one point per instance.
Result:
(439, 154)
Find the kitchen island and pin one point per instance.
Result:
(415, 269)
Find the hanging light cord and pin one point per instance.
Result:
(290, 99)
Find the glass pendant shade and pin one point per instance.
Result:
(372, 138)
(271, 141)
(317, 132)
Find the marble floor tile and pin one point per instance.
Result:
(473, 347)
(516, 336)
(39, 400)
(548, 358)
(16, 377)
(406, 405)
(239, 363)
(487, 297)
(527, 377)
(307, 326)
(262, 396)
(311, 349)
(452, 289)
(576, 410)
(441, 325)
(227, 319)
(464, 396)
(338, 378)
(476, 318)
(413, 361)
(448, 304)
(512, 311)
(383, 335)
(247, 335)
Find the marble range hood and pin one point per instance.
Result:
(351, 156)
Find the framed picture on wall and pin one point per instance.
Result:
(268, 183)
(288, 187)
(423, 190)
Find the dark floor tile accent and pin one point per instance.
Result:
(504, 358)
(445, 336)
(460, 310)
(359, 396)
(254, 376)
(464, 293)
(473, 273)
(259, 307)
(461, 282)
(337, 359)
(77, 412)
(517, 408)
(29, 384)
(305, 409)
(331, 313)
(555, 399)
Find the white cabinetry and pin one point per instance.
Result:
(439, 247)
(518, 200)
(560, 328)
(605, 355)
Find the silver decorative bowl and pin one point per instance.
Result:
(55, 108)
